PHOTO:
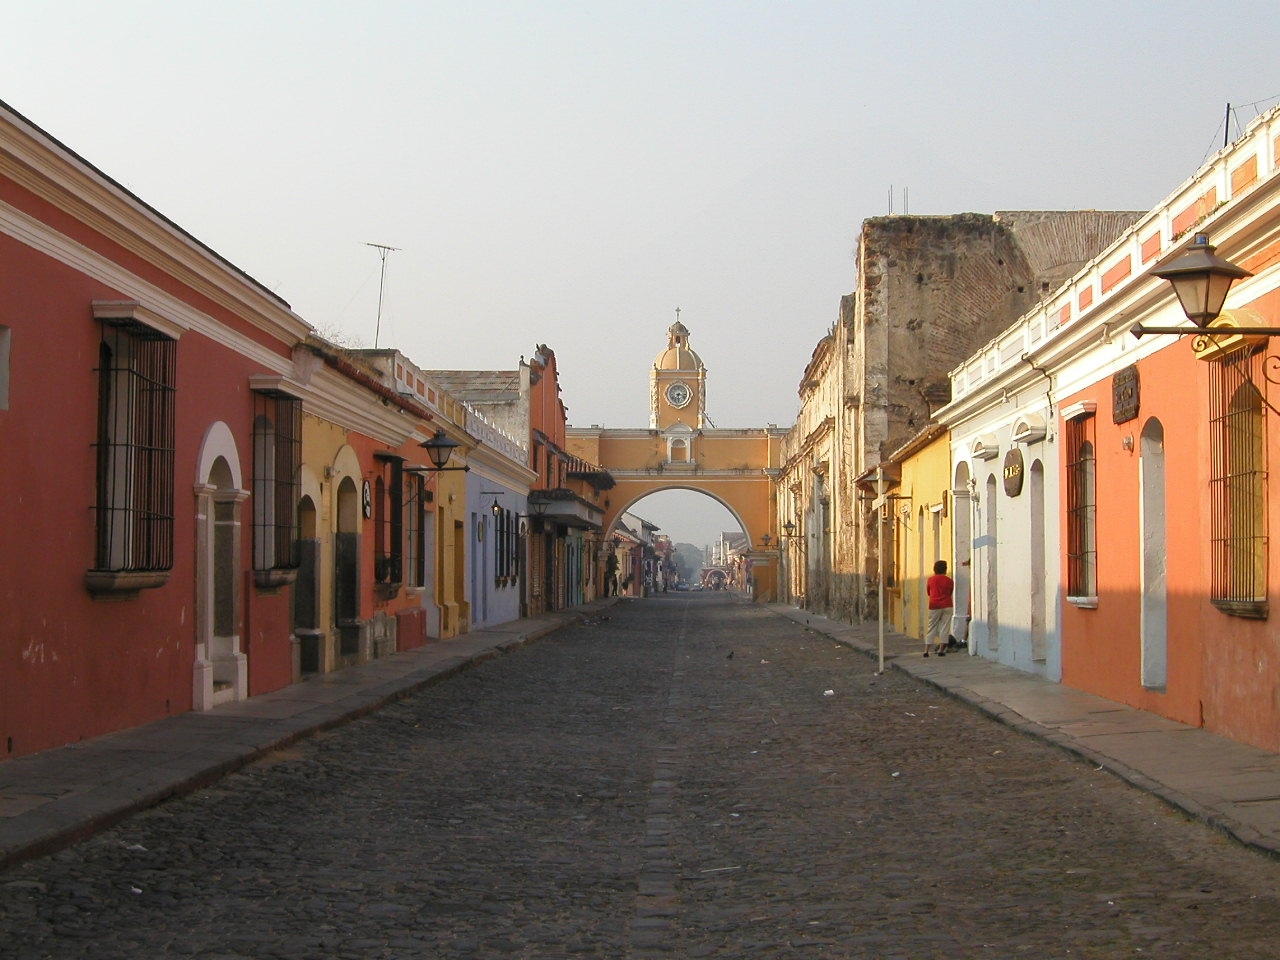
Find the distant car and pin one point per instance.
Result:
(696, 587)
(682, 585)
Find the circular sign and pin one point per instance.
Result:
(366, 500)
(1013, 472)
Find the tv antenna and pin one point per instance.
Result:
(383, 250)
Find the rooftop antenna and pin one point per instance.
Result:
(383, 250)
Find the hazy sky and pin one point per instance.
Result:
(569, 173)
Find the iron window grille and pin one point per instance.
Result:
(1082, 519)
(416, 532)
(389, 532)
(1238, 484)
(133, 510)
(277, 485)
(505, 549)
(499, 545)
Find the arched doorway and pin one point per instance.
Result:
(1155, 601)
(307, 631)
(221, 670)
(346, 570)
(1039, 595)
(992, 566)
(962, 527)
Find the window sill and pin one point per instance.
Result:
(1084, 603)
(1248, 609)
(275, 578)
(123, 584)
(386, 591)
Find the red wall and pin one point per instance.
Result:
(1223, 671)
(72, 667)
(1102, 648)
(1241, 658)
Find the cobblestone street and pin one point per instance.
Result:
(685, 777)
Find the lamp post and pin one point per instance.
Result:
(1200, 279)
(790, 533)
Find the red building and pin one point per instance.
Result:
(148, 504)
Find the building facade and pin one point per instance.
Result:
(242, 504)
(930, 290)
(1160, 540)
(141, 573)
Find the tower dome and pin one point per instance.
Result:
(677, 355)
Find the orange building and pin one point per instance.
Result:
(1163, 543)
(1170, 540)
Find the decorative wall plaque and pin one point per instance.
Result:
(1124, 395)
(1013, 472)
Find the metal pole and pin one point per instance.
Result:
(383, 250)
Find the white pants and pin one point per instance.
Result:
(939, 622)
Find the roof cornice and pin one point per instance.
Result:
(55, 174)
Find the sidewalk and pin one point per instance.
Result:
(1227, 785)
(58, 797)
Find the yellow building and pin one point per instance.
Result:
(917, 525)
(681, 451)
(678, 386)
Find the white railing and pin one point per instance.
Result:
(1233, 172)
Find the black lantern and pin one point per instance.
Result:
(1201, 279)
(439, 448)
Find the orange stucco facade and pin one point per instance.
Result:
(1101, 647)
(1223, 669)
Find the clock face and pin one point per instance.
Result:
(678, 394)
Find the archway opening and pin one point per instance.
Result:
(690, 541)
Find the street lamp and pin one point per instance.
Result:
(439, 448)
(1201, 279)
(789, 534)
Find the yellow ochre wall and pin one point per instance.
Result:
(733, 466)
(923, 533)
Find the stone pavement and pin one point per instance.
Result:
(55, 798)
(1228, 785)
(58, 797)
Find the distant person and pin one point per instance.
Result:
(940, 589)
(611, 574)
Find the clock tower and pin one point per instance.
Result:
(677, 384)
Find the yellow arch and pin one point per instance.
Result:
(734, 467)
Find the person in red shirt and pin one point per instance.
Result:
(940, 589)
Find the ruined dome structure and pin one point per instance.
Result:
(677, 355)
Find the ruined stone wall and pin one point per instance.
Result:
(944, 286)
(930, 292)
